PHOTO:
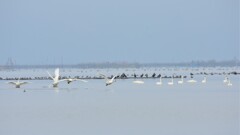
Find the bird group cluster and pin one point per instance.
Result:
(226, 81)
(110, 81)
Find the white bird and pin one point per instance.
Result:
(192, 81)
(181, 82)
(225, 79)
(138, 82)
(204, 80)
(171, 83)
(108, 81)
(229, 83)
(69, 80)
(55, 79)
(160, 81)
(18, 83)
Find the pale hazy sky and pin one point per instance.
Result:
(46, 31)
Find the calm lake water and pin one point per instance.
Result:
(122, 108)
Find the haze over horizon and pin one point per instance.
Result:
(72, 32)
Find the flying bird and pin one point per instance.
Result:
(109, 81)
(55, 79)
(70, 80)
(18, 84)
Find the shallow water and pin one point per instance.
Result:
(122, 108)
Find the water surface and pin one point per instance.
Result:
(122, 108)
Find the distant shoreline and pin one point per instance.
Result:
(210, 63)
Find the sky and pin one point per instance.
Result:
(77, 31)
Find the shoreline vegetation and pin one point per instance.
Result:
(102, 65)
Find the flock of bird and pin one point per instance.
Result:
(108, 81)
(55, 79)
(226, 81)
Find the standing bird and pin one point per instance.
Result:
(154, 74)
(225, 79)
(171, 83)
(181, 81)
(229, 83)
(160, 81)
(204, 80)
